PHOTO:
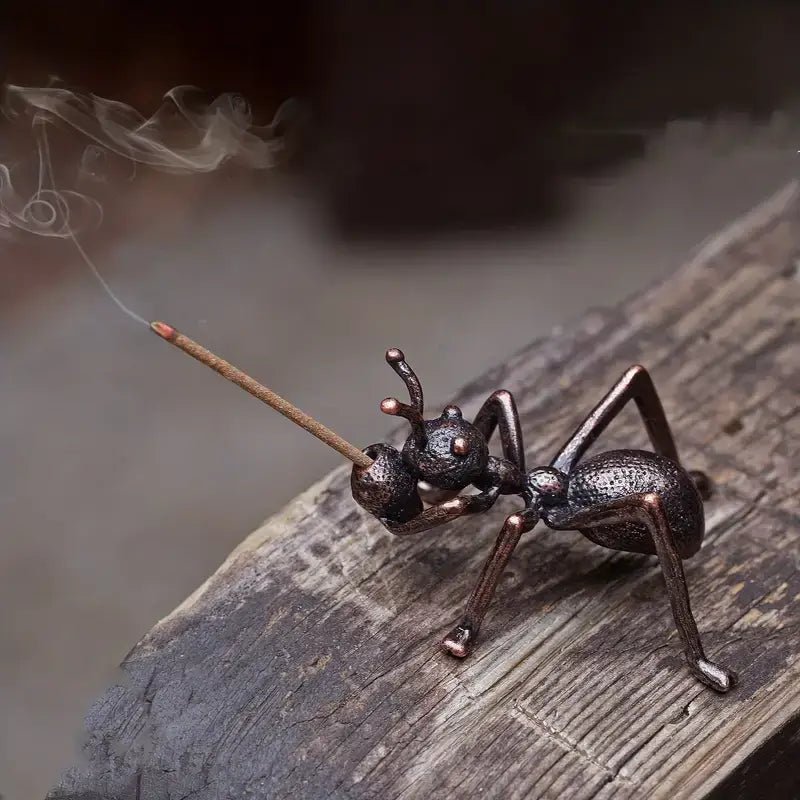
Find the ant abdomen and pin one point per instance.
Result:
(616, 475)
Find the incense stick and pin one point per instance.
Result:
(253, 387)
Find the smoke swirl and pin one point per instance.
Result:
(184, 136)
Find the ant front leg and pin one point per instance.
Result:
(460, 641)
(389, 492)
(500, 410)
(637, 385)
(444, 512)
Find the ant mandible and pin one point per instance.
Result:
(630, 500)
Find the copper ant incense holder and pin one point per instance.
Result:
(631, 500)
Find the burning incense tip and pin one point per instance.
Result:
(253, 387)
(163, 330)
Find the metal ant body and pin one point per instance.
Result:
(630, 500)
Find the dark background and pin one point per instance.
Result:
(432, 116)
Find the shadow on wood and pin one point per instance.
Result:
(308, 666)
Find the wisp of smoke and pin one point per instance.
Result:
(211, 133)
(184, 136)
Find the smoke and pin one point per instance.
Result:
(44, 211)
(184, 136)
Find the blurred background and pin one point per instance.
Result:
(523, 160)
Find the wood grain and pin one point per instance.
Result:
(308, 665)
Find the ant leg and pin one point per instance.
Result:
(445, 512)
(460, 641)
(637, 385)
(648, 510)
(499, 410)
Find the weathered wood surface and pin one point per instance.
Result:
(308, 665)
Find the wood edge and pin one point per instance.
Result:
(741, 229)
(722, 760)
(747, 225)
(279, 523)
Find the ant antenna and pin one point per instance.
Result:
(393, 407)
(397, 361)
(413, 413)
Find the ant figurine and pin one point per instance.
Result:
(631, 500)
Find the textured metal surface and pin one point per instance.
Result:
(386, 488)
(455, 453)
(630, 500)
(617, 474)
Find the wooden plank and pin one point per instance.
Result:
(308, 665)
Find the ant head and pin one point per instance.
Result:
(387, 488)
(448, 452)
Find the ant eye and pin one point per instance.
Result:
(460, 446)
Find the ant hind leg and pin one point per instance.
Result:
(637, 385)
(703, 483)
(648, 510)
